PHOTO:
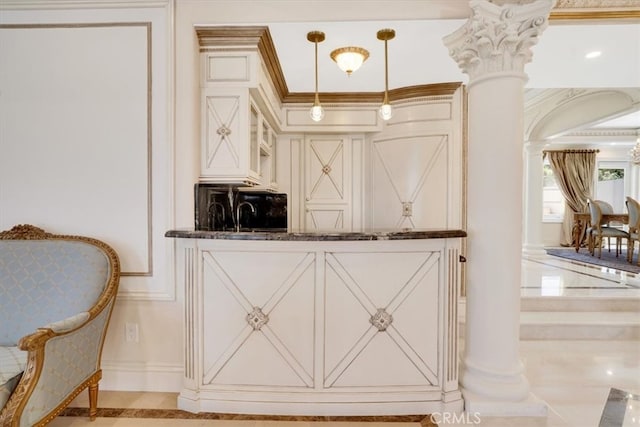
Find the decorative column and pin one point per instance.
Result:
(492, 48)
(533, 245)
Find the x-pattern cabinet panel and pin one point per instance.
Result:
(281, 326)
(229, 137)
(328, 177)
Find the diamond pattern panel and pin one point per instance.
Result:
(222, 131)
(356, 347)
(326, 178)
(280, 295)
(410, 172)
(37, 274)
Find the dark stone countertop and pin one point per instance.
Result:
(406, 234)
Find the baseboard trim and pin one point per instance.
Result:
(135, 376)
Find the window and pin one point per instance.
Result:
(552, 198)
(611, 186)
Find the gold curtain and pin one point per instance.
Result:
(574, 171)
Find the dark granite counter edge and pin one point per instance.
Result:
(317, 236)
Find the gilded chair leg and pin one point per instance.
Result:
(93, 401)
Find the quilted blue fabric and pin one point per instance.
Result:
(42, 282)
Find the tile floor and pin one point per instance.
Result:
(576, 378)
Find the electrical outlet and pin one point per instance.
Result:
(131, 332)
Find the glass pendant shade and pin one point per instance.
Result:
(316, 112)
(385, 111)
(350, 58)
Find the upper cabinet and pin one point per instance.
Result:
(238, 119)
(229, 149)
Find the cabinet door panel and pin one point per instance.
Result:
(327, 170)
(327, 218)
(229, 152)
(266, 311)
(222, 133)
(410, 181)
(381, 309)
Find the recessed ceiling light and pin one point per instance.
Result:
(593, 54)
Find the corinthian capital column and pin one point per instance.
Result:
(493, 48)
(496, 40)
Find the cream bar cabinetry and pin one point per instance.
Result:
(238, 124)
(320, 327)
(230, 147)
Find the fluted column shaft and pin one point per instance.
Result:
(492, 48)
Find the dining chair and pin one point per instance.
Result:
(633, 207)
(606, 208)
(597, 231)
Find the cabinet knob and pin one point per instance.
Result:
(307, 198)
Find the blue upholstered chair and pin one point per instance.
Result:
(56, 297)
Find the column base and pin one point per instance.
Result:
(484, 407)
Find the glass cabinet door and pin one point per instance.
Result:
(254, 151)
(274, 161)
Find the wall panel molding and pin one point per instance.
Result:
(105, 124)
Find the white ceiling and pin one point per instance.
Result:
(418, 56)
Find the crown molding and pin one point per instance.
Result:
(594, 15)
(399, 94)
(629, 133)
(259, 37)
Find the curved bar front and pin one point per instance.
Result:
(320, 323)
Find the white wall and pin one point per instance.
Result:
(86, 134)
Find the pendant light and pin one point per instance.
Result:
(385, 110)
(316, 112)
